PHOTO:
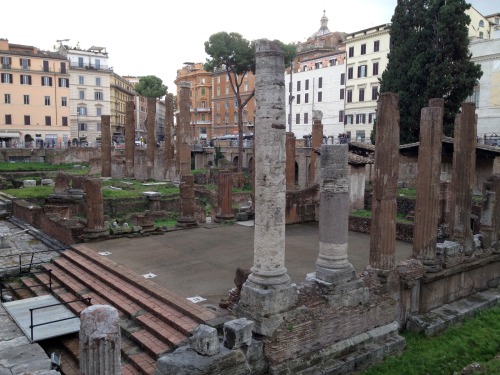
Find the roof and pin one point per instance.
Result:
(358, 159)
(448, 141)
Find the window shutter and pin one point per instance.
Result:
(50, 81)
(3, 81)
(29, 62)
(29, 79)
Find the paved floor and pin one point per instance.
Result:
(202, 261)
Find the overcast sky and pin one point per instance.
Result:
(156, 37)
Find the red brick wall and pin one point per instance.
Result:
(27, 212)
(404, 232)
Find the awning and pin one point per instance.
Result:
(9, 134)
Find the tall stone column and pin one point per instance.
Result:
(151, 145)
(383, 223)
(169, 127)
(224, 197)
(184, 131)
(106, 146)
(428, 183)
(316, 141)
(268, 292)
(186, 218)
(95, 209)
(490, 214)
(290, 161)
(100, 341)
(129, 138)
(464, 167)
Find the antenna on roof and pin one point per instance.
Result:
(62, 40)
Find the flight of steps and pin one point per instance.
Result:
(153, 319)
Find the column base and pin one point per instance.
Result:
(336, 275)
(266, 305)
(224, 218)
(91, 234)
(186, 223)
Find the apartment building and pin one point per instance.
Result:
(366, 59)
(34, 97)
(201, 96)
(121, 91)
(90, 95)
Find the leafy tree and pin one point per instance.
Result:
(236, 56)
(151, 87)
(429, 58)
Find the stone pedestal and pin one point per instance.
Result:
(129, 139)
(224, 197)
(100, 341)
(154, 199)
(105, 146)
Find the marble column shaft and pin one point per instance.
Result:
(100, 341)
(129, 139)
(383, 222)
(464, 166)
(94, 204)
(225, 196)
(290, 161)
(105, 146)
(428, 183)
(151, 139)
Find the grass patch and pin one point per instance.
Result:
(476, 340)
(134, 189)
(407, 193)
(35, 192)
(400, 218)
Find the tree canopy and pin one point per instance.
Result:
(429, 58)
(151, 87)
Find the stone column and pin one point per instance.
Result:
(224, 197)
(332, 265)
(268, 291)
(186, 218)
(61, 183)
(290, 161)
(129, 139)
(316, 141)
(169, 126)
(151, 139)
(95, 208)
(490, 214)
(464, 167)
(428, 183)
(383, 223)
(184, 131)
(100, 341)
(105, 146)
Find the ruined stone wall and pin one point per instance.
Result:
(404, 232)
(67, 232)
(357, 187)
(301, 206)
(27, 212)
(121, 207)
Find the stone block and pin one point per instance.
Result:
(47, 182)
(241, 216)
(29, 183)
(238, 333)
(205, 340)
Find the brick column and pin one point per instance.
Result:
(464, 167)
(224, 197)
(383, 223)
(490, 214)
(268, 291)
(105, 146)
(428, 183)
(151, 139)
(61, 183)
(184, 131)
(129, 139)
(100, 341)
(290, 161)
(169, 126)
(316, 142)
(95, 209)
(186, 218)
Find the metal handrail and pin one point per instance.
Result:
(32, 326)
(49, 271)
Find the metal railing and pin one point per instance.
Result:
(25, 287)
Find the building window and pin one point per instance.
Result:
(307, 84)
(81, 80)
(363, 49)
(298, 85)
(98, 95)
(218, 90)
(306, 98)
(320, 82)
(226, 118)
(64, 101)
(46, 81)
(375, 68)
(227, 90)
(333, 62)
(98, 127)
(349, 96)
(362, 71)
(297, 118)
(47, 100)
(342, 94)
(45, 65)
(25, 79)
(63, 82)
(64, 121)
(226, 105)
(80, 62)
(25, 64)
(82, 126)
(6, 62)
(361, 94)
(306, 118)
(342, 79)
(81, 94)
(361, 118)
(202, 91)
(371, 117)
(63, 68)
(26, 99)
(203, 104)
(481, 35)
(298, 98)
(6, 78)
(235, 103)
(98, 111)
(48, 121)
(320, 96)
(348, 119)
(98, 81)
(245, 86)
(27, 120)
(97, 63)
(360, 135)
(376, 46)
(8, 119)
(235, 117)
(82, 111)
(317, 65)
(350, 72)
(481, 23)
(474, 98)
(341, 116)
(6, 98)
(351, 51)
(374, 92)
(218, 79)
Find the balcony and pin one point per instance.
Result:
(201, 110)
(88, 66)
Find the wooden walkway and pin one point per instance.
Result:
(20, 312)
